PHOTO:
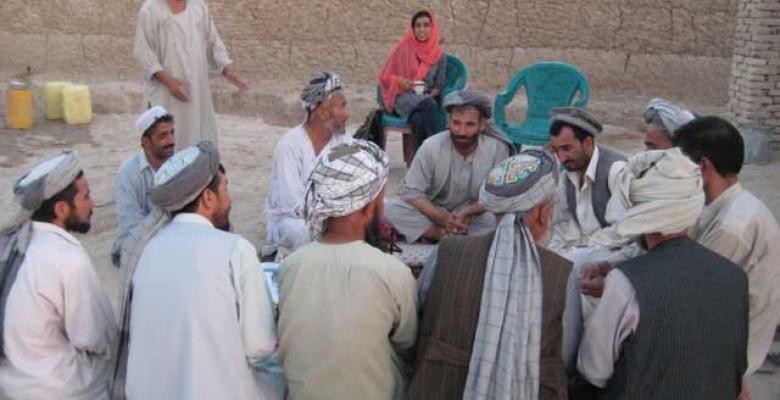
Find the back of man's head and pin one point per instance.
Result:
(713, 138)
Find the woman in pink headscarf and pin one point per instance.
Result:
(416, 58)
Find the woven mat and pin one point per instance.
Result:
(414, 255)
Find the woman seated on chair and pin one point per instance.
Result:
(413, 77)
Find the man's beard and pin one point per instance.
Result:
(164, 153)
(372, 235)
(222, 221)
(73, 224)
(335, 129)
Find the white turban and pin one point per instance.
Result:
(662, 192)
(344, 180)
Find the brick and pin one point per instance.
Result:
(758, 62)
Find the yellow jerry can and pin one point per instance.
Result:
(19, 109)
(76, 104)
(52, 99)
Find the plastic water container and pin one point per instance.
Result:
(19, 109)
(76, 104)
(52, 99)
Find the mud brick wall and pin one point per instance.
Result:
(680, 49)
(754, 91)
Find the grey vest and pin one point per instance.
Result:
(691, 340)
(600, 192)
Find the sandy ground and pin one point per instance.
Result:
(247, 148)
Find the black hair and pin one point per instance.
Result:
(213, 185)
(45, 213)
(420, 14)
(714, 138)
(579, 133)
(158, 121)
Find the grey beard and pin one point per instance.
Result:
(335, 130)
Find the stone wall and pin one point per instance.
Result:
(754, 92)
(676, 48)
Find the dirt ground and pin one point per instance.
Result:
(247, 145)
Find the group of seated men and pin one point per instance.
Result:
(567, 272)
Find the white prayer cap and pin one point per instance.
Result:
(184, 176)
(46, 180)
(149, 117)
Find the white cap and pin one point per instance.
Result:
(149, 117)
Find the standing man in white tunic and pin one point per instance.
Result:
(294, 157)
(201, 317)
(177, 45)
(57, 327)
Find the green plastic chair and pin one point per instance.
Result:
(456, 78)
(547, 85)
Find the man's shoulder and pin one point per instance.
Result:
(131, 166)
(746, 212)
(609, 155)
(291, 139)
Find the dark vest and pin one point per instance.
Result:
(600, 192)
(451, 312)
(691, 340)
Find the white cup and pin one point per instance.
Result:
(419, 87)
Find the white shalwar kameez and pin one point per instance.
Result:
(59, 324)
(187, 46)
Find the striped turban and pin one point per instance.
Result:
(320, 88)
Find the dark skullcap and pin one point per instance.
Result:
(576, 117)
(469, 98)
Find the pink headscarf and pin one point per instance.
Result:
(409, 59)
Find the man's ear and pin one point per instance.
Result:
(62, 210)
(208, 198)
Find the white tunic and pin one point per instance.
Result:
(59, 324)
(294, 160)
(347, 314)
(187, 46)
(201, 316)
(739, 227)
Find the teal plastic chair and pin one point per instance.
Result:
(456, 78)
(547, 85)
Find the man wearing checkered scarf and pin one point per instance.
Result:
(343, 304)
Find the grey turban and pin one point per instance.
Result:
(183, 176)
(666, 116)
(46, 180)
(576, 117)
(344, 180)
(469, 98)
(320, 88)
